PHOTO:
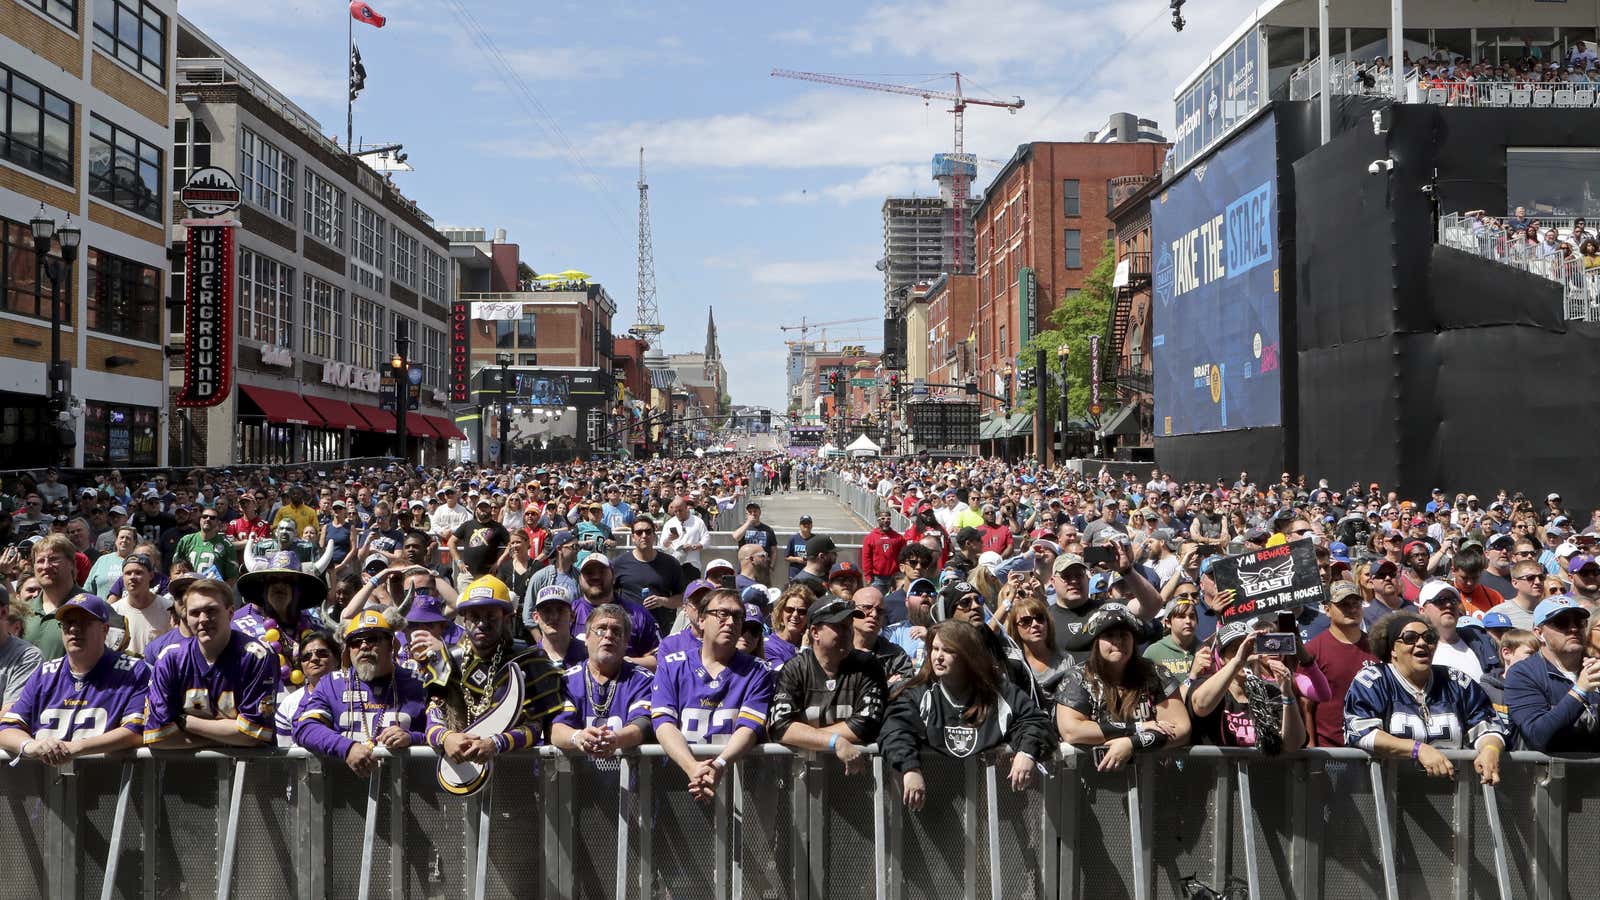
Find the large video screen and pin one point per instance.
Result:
(1215, 320)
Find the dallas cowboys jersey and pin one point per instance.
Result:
(619, 703)
(857, 695)
(707, 709)
(342, 710)
(1454, 713)
(55, 703)
(243, 685)
(644, 636)
(923, 717)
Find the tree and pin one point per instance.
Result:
(1075, 317)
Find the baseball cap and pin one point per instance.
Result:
(426, 607)
(1339, 551)
(920, 586)
(968, 534)
(1555, 606)
(754, 595)
(118, 510)
(377, 562)
(1052, 546)
(1417, 545)
(805, 520)
(696, 586)
(553, 593)
(1233, 631)
(831, 611)
(561, 539)
(844, 568)
(1467, 622)
(720, 564)
(989, 559)
(1109, 616)
(1436, 590)
(1378, 566)
(1578, 562)
(90, 604)
(1066, 561)
(417, 504)
(1342, 589)
(820, 544)
(1567, 548)
(1552, 496)
(594, 559)
(1497, 620)
(1207, 563)
(486, 592)
(1501, 540)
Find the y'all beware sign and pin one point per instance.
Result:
(1277, 579)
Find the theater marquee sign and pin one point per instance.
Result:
(208, 288)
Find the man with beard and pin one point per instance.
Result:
(476, 544)
(368, 705)
(217, 687)
(911, 635)
(597, 587)
(916, 561)
(607, 699)
(464, 681)
(90, 701)
(278, 604)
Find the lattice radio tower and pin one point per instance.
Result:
(647, 318)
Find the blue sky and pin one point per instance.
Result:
(765, 192)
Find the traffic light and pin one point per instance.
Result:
(894, 385)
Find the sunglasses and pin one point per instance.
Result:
(1191, 596)
(644, 531)
(310, 655)
(967, 603)
(1429, 637)
(1029, 621)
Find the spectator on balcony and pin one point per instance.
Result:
(1550, 247)
(1409, 707)
(1519, 219)
(832, 696)
(958, 705)
(1552, 697)
(1118, 699)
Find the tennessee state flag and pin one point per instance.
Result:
(361, 12)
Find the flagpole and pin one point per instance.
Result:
(350, 76)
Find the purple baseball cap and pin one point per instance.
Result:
(426, 608)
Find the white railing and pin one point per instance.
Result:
(1580, 286)
(1553, 95)
(1345, 77)
(1318, 823)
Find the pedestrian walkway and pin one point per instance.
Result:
(782, 510)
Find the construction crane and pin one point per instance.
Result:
(959, 103)
(805, 327)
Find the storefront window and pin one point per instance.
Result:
(115, 434)
(321, 444)
(263, 443)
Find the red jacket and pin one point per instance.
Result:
(880, 552)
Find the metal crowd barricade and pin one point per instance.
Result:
(787, 826)
(862, 500)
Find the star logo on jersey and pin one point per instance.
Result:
(960, 739)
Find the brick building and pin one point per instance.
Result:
(1131, 419)
(86, 86)
(951, 309)
(1047, 211)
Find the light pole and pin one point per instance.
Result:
(1064, 353)
(58, 376)
(504, 359)
(401, 367)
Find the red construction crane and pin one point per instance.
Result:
(959, 103)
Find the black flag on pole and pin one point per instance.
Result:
(358, 72)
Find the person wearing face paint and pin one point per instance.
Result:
(369, 704)
(1407, 707)
(280, 600)
(464, 680)
(1553, 698)
(958, 705)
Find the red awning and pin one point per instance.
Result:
(447, 428)
(378, 420)
(420, 426)
(337, 413)
(282, 407)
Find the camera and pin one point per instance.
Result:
(1380, 166)
(1276, 644)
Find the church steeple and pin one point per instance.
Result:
(712, 350)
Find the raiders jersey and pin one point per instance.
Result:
(1454, 712)
(1087, 696)
(923, 717)
(856, 696)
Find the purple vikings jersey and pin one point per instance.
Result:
(55, 704)
(251, 621)
(343, 710)
(777, 651)
(644, 636)
(243, 685)
(161, 643)
(618, 704)
(1454, 715)
(683, 642)
(709, 710)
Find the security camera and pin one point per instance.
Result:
(1380, 166)
(1377, 121)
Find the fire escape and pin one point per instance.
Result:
(1131, 375)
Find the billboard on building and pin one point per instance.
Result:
(1215, 341)
(1225, 94)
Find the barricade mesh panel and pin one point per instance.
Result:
(1104, 845)
(343, 833)
(1514, 799)
(1425, 831)
(1270, 794)
(186, 845)
(1347, 832)
(516, 838)
(933, 842)
(683, 836)
(1021, 821)
(270, 838)
(435, 835)
(596, 795)
(766, 830)
(1582, 867)
(24, 820)
(1182, 829)
(97, 805)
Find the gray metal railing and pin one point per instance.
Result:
(1344, 77)
(1320, 823)
(1580, 286)
(863, 500)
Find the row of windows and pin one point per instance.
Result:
(125, 169)
(63, 11)
(405, 258)
(37, 127)
(135, 32)
(267, 174)
(266, 298)
(124, 297)
(510, 334)
(321, 318)
(367, 250)
(324, 210)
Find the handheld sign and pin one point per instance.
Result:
(1277, 579)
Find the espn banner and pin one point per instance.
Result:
(460, 353)
(1277, 579)
(208, 316)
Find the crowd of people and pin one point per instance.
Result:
(344, 610)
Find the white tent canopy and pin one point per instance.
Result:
(862, 446)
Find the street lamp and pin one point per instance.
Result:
(1064, 353)
(401, 367)
(504, 359)
(59, 375)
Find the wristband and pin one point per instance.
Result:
(181, 719)
(23, 750)
(719, 764)
(833, 742)
(1416, 750)
(1148, 740)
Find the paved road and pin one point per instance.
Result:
(828, 516)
